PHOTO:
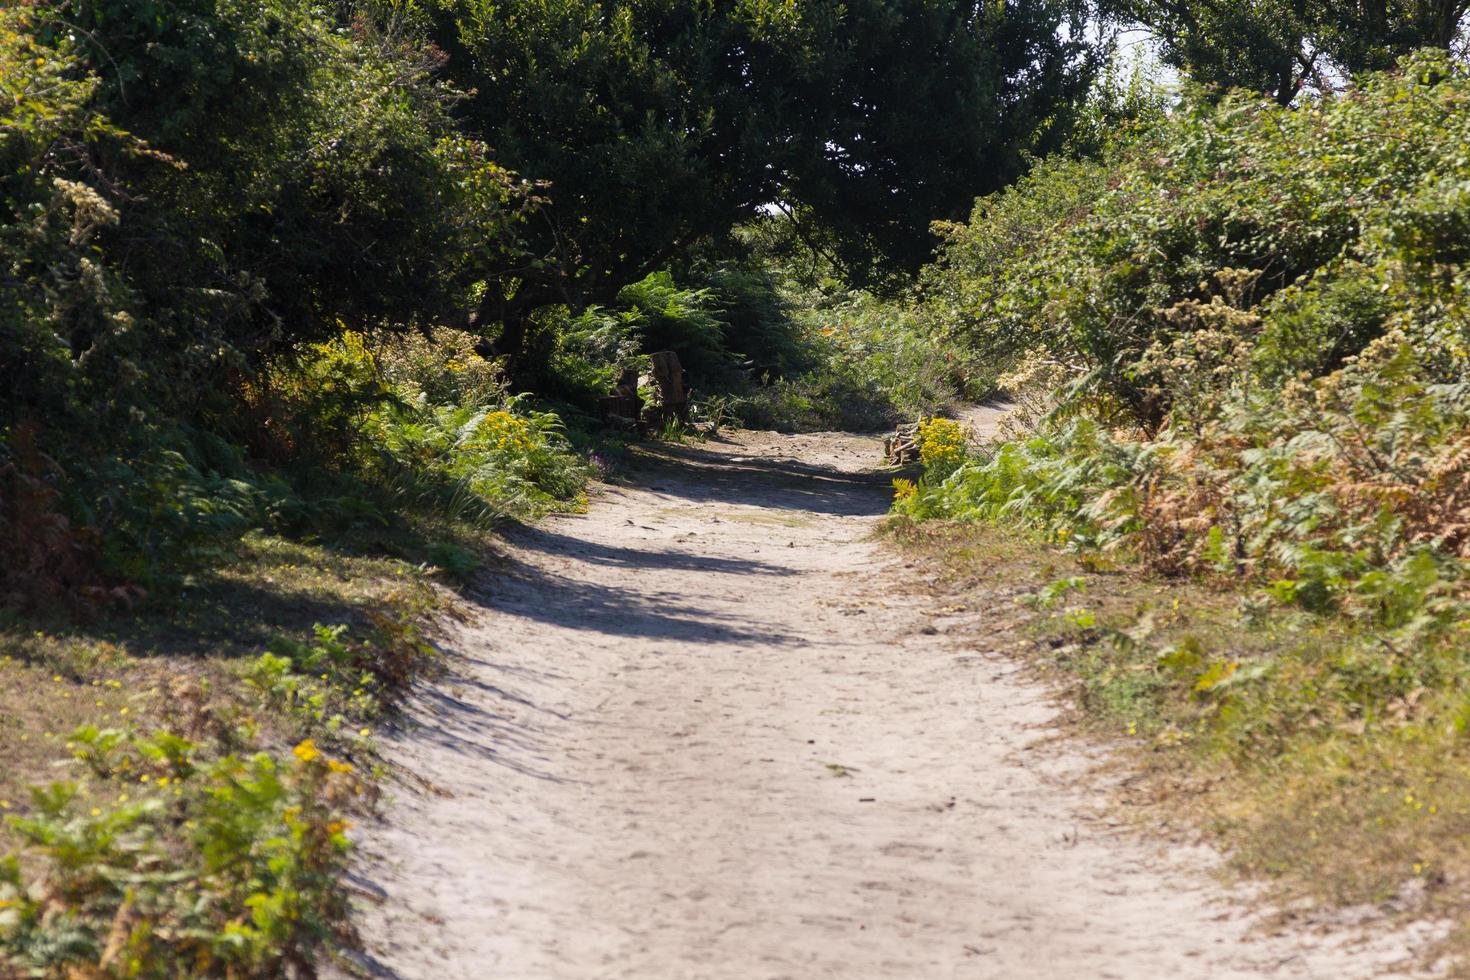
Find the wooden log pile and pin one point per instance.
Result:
(902, 447)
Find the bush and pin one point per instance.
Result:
(1304, 233)
(191, 196)
(875, 364)
(220, 866)
(1265, 321)
(368, 410)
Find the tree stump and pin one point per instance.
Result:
(623, 408)
(673, 397)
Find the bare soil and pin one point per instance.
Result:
(698, 733)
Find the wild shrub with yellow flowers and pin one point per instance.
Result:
(428, 420)
(170, 856)
(517, 457)
(943, 449)
(504, 432)
(202, 846)
(941, 446)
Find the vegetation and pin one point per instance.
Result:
(299, 302)
(1236, 342)
(872, 363)
(1317, 758)
(1280, 49)
(660, 125)
(128, 894)
(1277, 398)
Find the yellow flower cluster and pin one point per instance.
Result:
(506, 432)
(941, 443)
(308, 753)
(351, 347)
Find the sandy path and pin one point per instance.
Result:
(688, 737)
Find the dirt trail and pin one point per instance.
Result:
(688, 736)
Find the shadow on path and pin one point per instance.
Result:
(703, 476)
(559, 543)
(706, 475)
(616, 611)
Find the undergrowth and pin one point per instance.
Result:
(1317, 756)
(1238, 352)
(215, 651)
(177, 858)
(202, 827)
(871, 364)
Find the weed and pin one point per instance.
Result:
(1324, 753)
(250, 887)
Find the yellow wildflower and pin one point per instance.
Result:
(941, 443)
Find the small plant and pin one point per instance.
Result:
(338, 676)
(105, 751)
(942, 446)
(715, 413)
(1055, 592)
(673, 430)
(230, 865)
(458, 561)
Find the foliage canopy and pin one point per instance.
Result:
(659, 124)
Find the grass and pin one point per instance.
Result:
(269, 587)
(1319, 760)
(285, 737)
(52, 677)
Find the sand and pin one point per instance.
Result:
(693, 734)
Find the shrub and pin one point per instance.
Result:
(1302, 233)
(1266, 321)
(875, 363)
(207, 208)
(226, 866)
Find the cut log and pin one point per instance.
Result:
(623, 408)
(902, 447)
(673, 397)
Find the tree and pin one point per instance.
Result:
(1371, 35)
(1281, 46)
(662, 123)
(300, 174)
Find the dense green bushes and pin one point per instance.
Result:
(282, 177)
(661, 126)
(192, 196)
(1259, 318)
(872, 363)
(1302, 232)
